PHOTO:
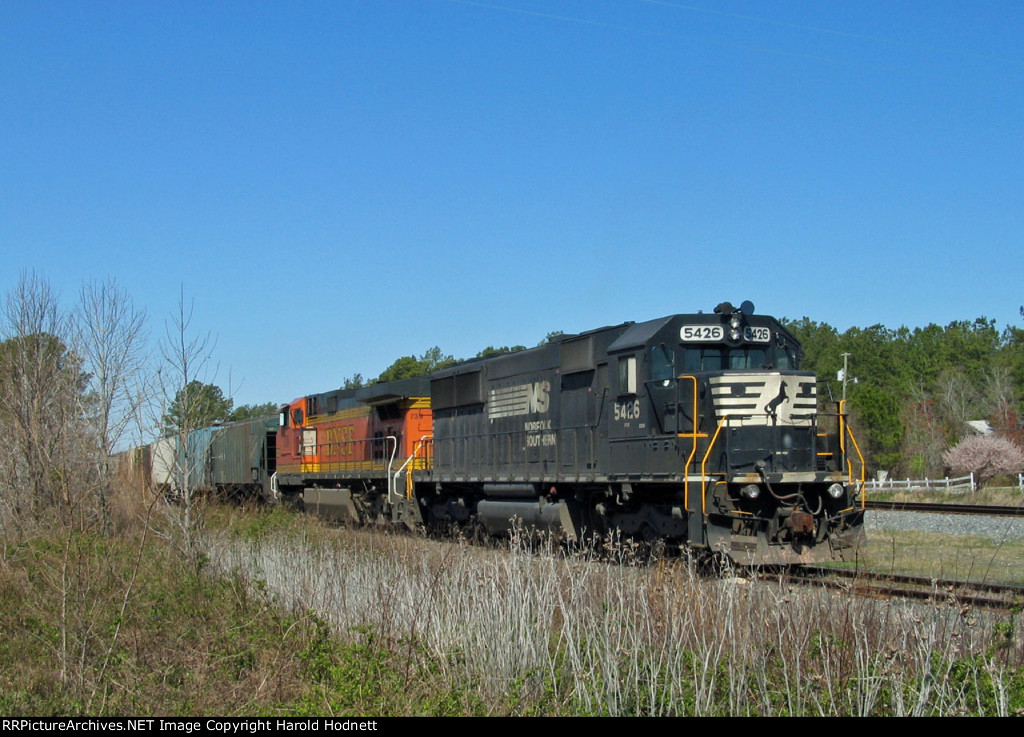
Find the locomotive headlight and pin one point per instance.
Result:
(751, 491)
(735, 321)
(734, 334)
(836, 491)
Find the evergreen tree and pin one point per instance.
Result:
(196, 405)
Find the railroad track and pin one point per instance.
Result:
(937, 508)
(995, 596)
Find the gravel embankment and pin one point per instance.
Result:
(998, 528)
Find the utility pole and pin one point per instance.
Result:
(846, 372)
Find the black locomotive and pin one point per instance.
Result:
(697, 429)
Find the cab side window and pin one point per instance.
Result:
(627, 375)
(663, 362)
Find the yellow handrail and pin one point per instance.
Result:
(849, 465)
(704, 463)
(422, 443)
(693, 435)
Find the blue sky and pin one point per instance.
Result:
(336, 184)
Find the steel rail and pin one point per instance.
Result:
(941, 508)
(866, 583)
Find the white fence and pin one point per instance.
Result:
(962, 485)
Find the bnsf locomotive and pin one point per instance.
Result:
(698, 430)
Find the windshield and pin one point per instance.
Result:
(717, 358)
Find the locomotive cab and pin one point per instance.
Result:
(764, 481)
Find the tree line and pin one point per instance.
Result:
(912, 391)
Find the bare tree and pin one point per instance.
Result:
(924, 437)
(986, 456)
(958, 399)
(186, 360)
(1001, 400)
(109, 338)
(41, 391)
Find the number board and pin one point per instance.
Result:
(757, 335)
(716, 334)
(702, 333)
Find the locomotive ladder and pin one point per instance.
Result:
(411, 463)
(695, 435)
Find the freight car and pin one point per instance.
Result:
(236, 459)
(699, 430)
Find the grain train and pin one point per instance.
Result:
(696, 430)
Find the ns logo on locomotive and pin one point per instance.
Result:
(698, 430)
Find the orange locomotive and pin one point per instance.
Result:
(346, 453)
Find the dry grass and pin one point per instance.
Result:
(536, 632)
